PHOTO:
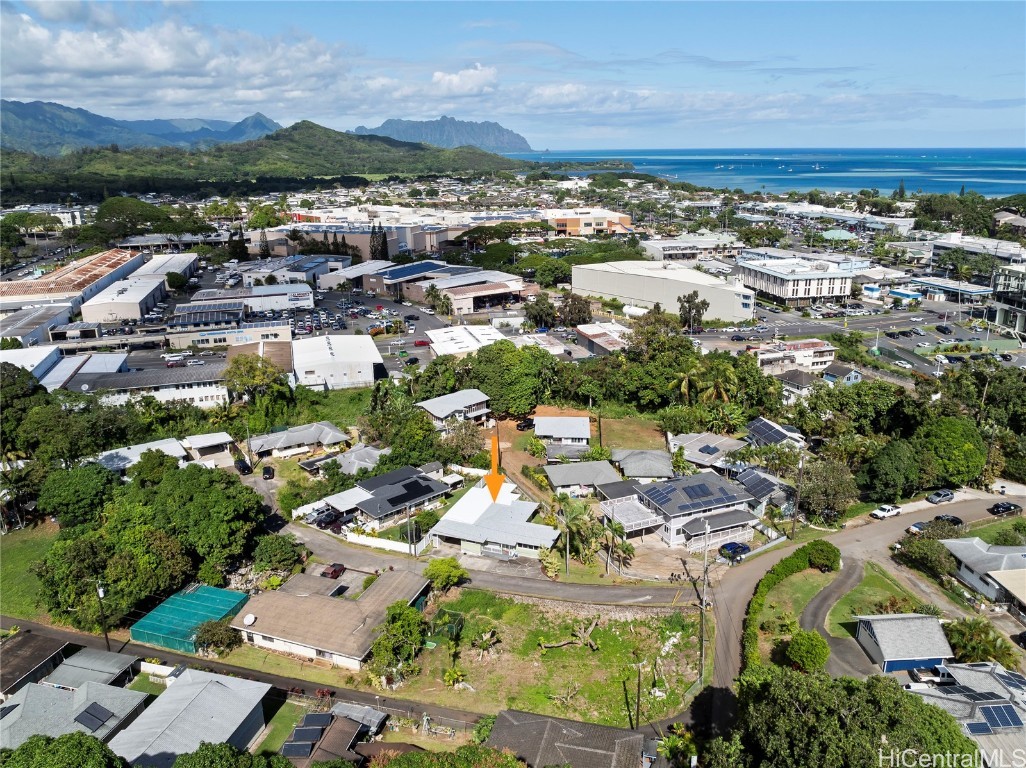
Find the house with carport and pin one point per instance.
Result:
(982, 566)
(903, 641)
(645, 466)
(581, 478)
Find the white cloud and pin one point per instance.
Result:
(466, 82)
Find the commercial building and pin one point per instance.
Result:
(646, 283)
(943, 289)
(335, 362)
(1009, 299)
(797, 282)
(191, 329)
(318, 627)
(36, 360)
(812, 355)
(72, 284)
(698, 512)
(184, 264)
(394, 280)
(128, 299)
(602, 338)
(903, 641)
(1008, 251)
(291, 269)
(256, 298)
(32, 325)
(694, 248)
(201, 385)
(353, 274)
(481, 525)
(197, 707)
(582, 222)
(473, 291)
(462, 340)
(465, 405)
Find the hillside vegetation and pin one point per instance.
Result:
(304, 151)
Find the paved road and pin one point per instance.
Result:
(396, 705)
(846, 657)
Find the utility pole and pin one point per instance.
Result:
(103, 615)
(705, 591)
(637, 700)
(798, 496)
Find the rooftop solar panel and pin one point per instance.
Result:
(317, 719)
(297, 749)
(1013, 679)
(6, 710)
(307, 734)
(1001, 716)
(982, 696)
(710, 450)
(955, 690)
(93, 716)
(978, 729)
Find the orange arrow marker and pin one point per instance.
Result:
(493, 479)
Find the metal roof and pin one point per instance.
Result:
(635, 462)
(983, 557)
(582, 473)
(476, 517)
(562, 426)
(122, 458)
(445, 406)
(318, 433)
(90, 664)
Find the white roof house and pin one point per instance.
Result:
(483, 525)
(456, 404)
(562, 428)
(196, 707)
(120, 459)
(320, 433)
(209, 440)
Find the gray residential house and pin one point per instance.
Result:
(465, 405)
(580, 479)
(705, 449)
(27, 658)
(92, 665)
(564, 436)
(903, 641)
(840, 375)
(643, 465)
(297, 440)
(796, 385)
(981, 566)
(196, 707)
(763, 432)
(698, 512)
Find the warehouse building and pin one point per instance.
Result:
(74, 283)
(184, 264)
(129, 299)
(474, 291)
(258, 298)
(462, 340)
(645, 283)
(335, 362)
(291, 269)
(353, 275)
(32, 325)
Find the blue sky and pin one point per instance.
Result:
(566, 75)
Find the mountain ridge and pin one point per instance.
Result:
(450, 133)
(49, 128)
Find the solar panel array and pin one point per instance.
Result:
(210, 306)
(766, 431)
(978, 729)
(1003, 716)
(1013, 680)
(969, 693)
(93, 716)
(297, 749)
(317, 720)
(698, 491)
(709, 450)
(307, 733)
(757, 484)
(690, 494)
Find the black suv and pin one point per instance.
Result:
(268, 473)
(243, 467)
(1004, 508)
(945, 329)
(525, 425)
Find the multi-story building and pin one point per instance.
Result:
(582, 222)
(812, 355)
(465, 405)
(1010, 297)
(128, 299)
(796, 282)
(694, 247)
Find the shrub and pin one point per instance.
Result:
(218, 635)
(368, 580)
(210, 574)
(445, 573)
(483, 729)
(275, 553)
(808, 651)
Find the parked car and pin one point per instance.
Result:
(949, 519)
(737, 337)
(175, 363)
(422, 343)
(939, 497)
(884, 511)
(412, 361)
(525, 425)
(267, 473)
(333, 571)
(734, 550)
(916, 528)
(1005, 508)
(196, 361)
(945, 329)
(903, 364)
(243, 468)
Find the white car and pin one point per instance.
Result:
(428, 311)
(903, 364)
(196, 361)
(407, 303)
(885, 511)
(942, 360)
(924, 344)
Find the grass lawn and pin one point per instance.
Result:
(989, 530)
(142, 683)
(594, 685)
(591, 574)
(289, 469)
(339, 406)
(789, 599)
(523, 441)
(876, 585)
(283, 717)
(19, 587)
(255, 658)
(632, 433)
(429, 743)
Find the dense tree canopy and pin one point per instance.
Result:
(77, 496)
(72, 750)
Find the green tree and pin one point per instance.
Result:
(218, 636)
(120, 217)
(445, 573)
(20, 392)
(718, 382)
(893, 473)
(265, 248)
(9, 342)
(552, 272)
(541, 313)
(253, 377)
(176, 281)
(575, 310)
(688, 380)
(467, 756)
(975, 639)
(209, 755)
(828, 489)
(577, 528)
(401, 638)
(808, 651)
(692, 309)
(77, 496)
(151, 468)
(276, 552)
(928, 555)
(72, 750)
(951, 450)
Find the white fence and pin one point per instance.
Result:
(467, 470)
(147, 668)
(386, 544)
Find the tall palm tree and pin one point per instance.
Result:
(719, 382)
(432, 296)
(612, 534)
(444, 305)
(688, 379)
(576, 524)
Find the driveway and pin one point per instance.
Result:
(846, 656)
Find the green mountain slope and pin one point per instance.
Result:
(303, 150)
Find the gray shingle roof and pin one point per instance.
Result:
(542, 741)
(583, 473)
(720, 522)
(557, 451)
(704, 449)
(197, 707)
(634, 462)
(51, 711)
(909, 636)
(318, 433)
(445, 406)
(983, 557)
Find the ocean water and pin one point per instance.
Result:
(991, 172)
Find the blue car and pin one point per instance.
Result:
(733, 550)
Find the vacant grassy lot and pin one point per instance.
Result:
(572, 681)
(339, 406)
(990, 530)
(19, 587)
(264, 661)
(281, 723)
(876, 586)
(632, 433)
(784, 606)
(430, 743)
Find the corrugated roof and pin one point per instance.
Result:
(72, 278)
(445, 406)
(582, 473)
(562, 426)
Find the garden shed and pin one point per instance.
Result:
(173, 623)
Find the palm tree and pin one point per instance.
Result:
(444, 305)
(719, 382)
(976, 639)
(577, 523)
(432, 296)
(612, 533)
(688, 379)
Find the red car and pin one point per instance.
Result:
(333, 571)
(422, 343)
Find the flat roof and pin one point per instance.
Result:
(210, 373)
(26, 320)
(136, 288)
(363, 268)
(486, 276)
(661, 270)
(796, 269)
(23, 652)
(312, 351)
(227, 294)
(169, 262)
(952, 286)
(462, 340)
(72, 278)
